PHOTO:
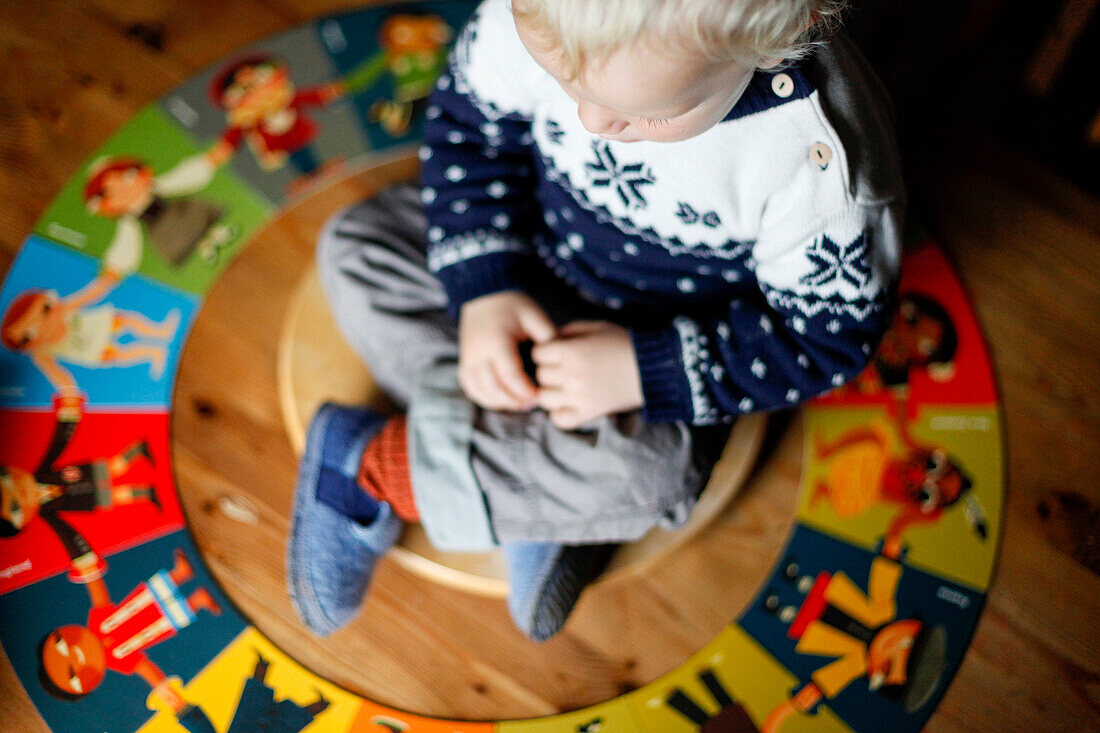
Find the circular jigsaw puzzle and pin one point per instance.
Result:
(111, 620)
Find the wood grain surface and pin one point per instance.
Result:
(1024, 242)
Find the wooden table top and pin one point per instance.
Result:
(1023, 241)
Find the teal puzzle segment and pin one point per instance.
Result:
(149, 189)
(149, 623)
(71, 323)
(284, 123)
(828, 613)
(390, 57)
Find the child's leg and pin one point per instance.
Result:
(480, 478)
(577, 493)
(391, 310)
(538, 480)
(546, 579)
(373, 269)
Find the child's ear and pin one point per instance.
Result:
(770, 63)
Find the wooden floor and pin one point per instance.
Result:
(1024, 242)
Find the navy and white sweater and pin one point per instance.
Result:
(752, 263)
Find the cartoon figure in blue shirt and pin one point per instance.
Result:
(258, 711)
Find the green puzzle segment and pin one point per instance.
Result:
(226, 202)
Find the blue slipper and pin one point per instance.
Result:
(546, 579)
(331, 556)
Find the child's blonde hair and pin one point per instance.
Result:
(747, 31)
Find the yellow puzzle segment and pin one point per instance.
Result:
(220, 685)
(848, 453)
(730, 681)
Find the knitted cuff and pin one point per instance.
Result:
(664, 383)
(490, 273)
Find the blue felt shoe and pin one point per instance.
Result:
(330, 555)
(546, 579)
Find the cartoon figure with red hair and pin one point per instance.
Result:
(864, 469)
(74, 659)
(901, 658)
(159, 208)
(80, 329)
(264, 108)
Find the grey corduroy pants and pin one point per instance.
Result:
(483, 478)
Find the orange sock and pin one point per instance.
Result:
(384, 469)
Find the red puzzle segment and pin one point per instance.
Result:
(934, 329)
(105, 481)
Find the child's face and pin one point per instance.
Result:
(74, 660)
(639, 94)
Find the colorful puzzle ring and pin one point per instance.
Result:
(860, 626)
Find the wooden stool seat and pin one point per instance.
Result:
(315, 365)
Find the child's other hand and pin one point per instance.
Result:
(490, 330)
(588, 371)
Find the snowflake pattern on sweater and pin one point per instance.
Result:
(750, 275)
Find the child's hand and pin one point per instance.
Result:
(490, 329)
(588, 371)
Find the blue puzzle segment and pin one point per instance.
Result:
(150, 622)
(67, 322)
(390, 58)
(879, 639)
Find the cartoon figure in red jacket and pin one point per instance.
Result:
(74, 659)
(264, 109)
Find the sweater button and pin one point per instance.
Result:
(782, 85)
(821, 154)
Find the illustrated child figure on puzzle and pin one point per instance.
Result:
(257, 709)
(921, 336)
(868, 466)
(636, 221)
(74, 659)
(264, 108)
(96, 484)
(81, 329)
(901, 658)
(159, 207)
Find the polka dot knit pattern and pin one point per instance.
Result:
(752, 264)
